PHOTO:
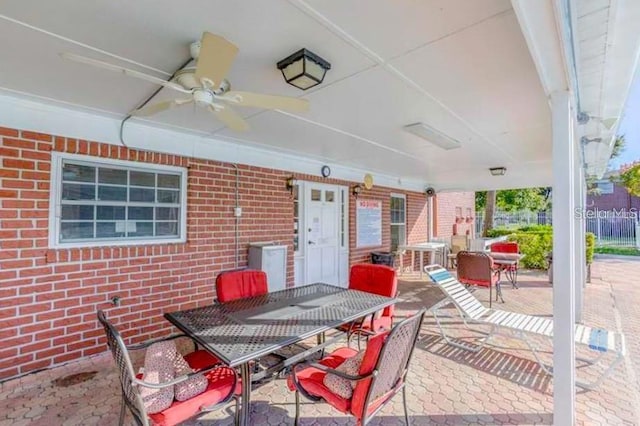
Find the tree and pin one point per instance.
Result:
(490, 204)
(531, 199)
(630, 179)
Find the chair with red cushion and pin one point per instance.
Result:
(222, 387)
(477, 268)
(238, 284)
(381, 375)
(377, 279)
(510, 247)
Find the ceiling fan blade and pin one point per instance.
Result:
(267, 101)
(125, 71)
(215, 58)
(159, 107)
(230, 118)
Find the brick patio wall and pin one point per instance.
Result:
(454, 214)
(48, 297)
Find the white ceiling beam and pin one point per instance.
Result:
(540, 27)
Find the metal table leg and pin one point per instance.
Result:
(245, 403)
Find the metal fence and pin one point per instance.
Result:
(611, 230)
(614, 231)
(514, 219)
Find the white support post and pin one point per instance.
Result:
(579, 232)
(564, 161)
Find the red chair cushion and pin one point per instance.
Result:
(220, 384)
(232, 285)
(504, 247)
(481, 283)
(312, 380)
(201, 359)
(374, 346)
(376, 279)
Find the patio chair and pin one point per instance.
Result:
(458, 243)
(240, 283)
(381, 375)
(477, 268)
(521, 326)
(511, 271)
(221, 388)
(377, 279)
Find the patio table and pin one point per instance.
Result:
(421, 248)
(244, 330)
(504, 261)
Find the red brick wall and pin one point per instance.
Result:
(48, 298)
(449, 220)
(416, 221)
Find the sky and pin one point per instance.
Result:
(630, 127)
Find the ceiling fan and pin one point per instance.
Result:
(205, 84)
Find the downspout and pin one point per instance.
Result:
(236, 213)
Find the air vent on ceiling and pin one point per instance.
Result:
(432, 135)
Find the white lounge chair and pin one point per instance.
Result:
(519, 325)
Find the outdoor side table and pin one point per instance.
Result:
(504, 262)
(244, 330)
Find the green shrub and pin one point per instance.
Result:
(499, 232)
(590, 244)
(535, 246)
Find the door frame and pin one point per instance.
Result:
(301, 257)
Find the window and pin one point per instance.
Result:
(605, 187)
(97, 201)
(398, 221)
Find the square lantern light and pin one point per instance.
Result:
(304, 69)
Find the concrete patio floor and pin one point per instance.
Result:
(499, 385)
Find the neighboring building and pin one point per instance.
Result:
(612, 196)
(84, 223)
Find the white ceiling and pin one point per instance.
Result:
(461, 66)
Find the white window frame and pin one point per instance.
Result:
(55, 205)
(404, 197)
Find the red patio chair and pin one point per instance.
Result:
(223, 382)
(376, 279)
(510, 270)
(381, 376)
(477, 268)
(238, 284)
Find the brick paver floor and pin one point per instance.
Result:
(499, 385)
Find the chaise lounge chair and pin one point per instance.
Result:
(521, 326)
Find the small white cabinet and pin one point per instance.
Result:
(271, 259)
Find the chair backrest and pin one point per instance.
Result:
(389, 355)
(238, 284)
(376, 279)
(459, 243)
(505, 247)
(475, 268)
(126, 372)
(456, 292)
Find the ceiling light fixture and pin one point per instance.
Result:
(498, 171)
(304, 69)
(432, 135)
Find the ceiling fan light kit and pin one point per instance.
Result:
(432, 135)
(206, 83)
(303, 69)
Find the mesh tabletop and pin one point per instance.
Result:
(247, 329)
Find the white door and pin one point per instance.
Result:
(322, 207)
